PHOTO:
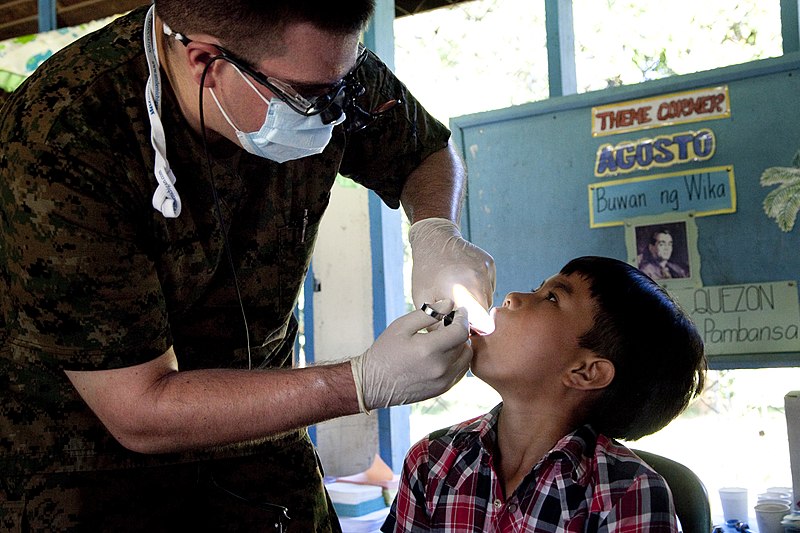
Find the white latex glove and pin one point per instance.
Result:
(405, 365)
(442, 258)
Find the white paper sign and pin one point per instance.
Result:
(744, 319)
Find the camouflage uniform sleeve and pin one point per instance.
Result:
(79, 287)
(381, 156)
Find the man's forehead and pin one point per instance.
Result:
(297, 74)
(311, 56)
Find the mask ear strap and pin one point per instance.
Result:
(250, 83)
(224, 114)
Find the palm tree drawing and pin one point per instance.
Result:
(783, 203)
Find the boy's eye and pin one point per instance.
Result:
(551, 296)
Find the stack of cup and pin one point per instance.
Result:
(776, 495)
(772, 508)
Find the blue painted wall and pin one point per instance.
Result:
(530, 166)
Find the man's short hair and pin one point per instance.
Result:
(658, 355)
(253, 29)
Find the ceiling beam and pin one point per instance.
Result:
(20, 17)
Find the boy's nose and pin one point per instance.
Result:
(511, 299)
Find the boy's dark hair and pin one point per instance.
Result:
(253, 29)
(657, 353)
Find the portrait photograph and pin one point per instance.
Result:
(665, 248)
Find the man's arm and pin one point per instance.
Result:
(442, 258)
(154, 408)
(436, 187)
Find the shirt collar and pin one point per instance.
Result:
(575, 448)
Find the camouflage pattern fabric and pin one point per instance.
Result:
(94, 278)
(237, 495)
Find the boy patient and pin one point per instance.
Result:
(598, 352)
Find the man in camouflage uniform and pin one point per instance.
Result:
(131, 397)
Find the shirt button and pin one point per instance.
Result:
(498, 504)
(512, 508)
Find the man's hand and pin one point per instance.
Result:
(405, 365)
(442, 258)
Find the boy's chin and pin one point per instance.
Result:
(474, 333)
(478, 343)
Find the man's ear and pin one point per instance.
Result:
(589, 373)
(197, 55)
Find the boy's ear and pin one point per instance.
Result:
(590, 373)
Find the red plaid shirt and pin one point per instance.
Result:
(586, 483)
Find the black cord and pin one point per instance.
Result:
(219, 210)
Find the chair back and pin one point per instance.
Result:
(688, 492)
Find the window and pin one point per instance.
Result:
(490, 54)
(626, 42)
(474, 56)
(735, 435)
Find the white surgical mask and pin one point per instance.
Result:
(285, 134)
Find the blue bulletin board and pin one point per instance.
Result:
(593, 174)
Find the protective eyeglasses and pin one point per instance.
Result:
(335, 99)
(329, 104)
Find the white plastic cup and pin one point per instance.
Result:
(774, 500)
(769, 516)
(787, 490)
(771, 496)
(734, 503)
